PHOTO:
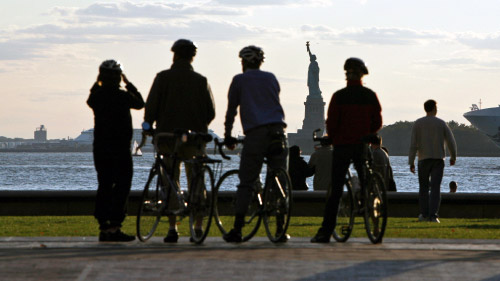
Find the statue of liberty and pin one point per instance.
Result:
(313, 75)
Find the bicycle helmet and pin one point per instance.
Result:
(111, 66)
(355, 63)
(184, 47)
(252, 54)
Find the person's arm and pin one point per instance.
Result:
(210, 105)
(333, 118)
(136, 100)
(91, 101)
(232, 106)
(376, 118)
(153, 101)
(451, 144)
(413, 148)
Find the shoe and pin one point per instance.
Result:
(321, 238)
(233, 236)
(422, 218)
(117, 236)
(283, 238)
(172, 236)
(198, 233)
(434, 219)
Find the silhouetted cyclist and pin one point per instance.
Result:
(256, 93)
(180, 98)
(354, 112)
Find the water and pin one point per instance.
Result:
(75, 171)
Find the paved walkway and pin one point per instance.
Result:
(83, 258)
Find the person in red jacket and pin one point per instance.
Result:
(354, 112)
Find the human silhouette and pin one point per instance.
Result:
(256, 94)
(112, 147)
(180, 98)
(298, 169)
(429, 136)
(354, 112)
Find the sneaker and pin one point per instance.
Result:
(117, 236)
(422, 218)
(172, 236)
(434, 219)
(233, 236)
(321, 238)
(198, 233)
(283, 238)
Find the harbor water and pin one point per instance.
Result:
(75, 171)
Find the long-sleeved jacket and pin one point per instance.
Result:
(353, 113)
(112, 120)
(180, 98)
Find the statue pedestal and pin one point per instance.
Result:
(314, 119)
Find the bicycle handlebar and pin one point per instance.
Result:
(183, 135)
(219, 145)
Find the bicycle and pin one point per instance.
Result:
(270, 203)
(162, 195)
(370, 201)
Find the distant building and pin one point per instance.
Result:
(41, 134)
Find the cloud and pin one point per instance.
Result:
(464, 63)
(149, 10)
(18, 50)
(480, 41)
(375, 35)
(248, 3)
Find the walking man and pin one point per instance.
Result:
(429, 136)
(256, 93)
(354, 112)
(180, 98)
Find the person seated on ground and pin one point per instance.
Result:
(381, 162)
(321, 164)
(453, 187)
(298, 169)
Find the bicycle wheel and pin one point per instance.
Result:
(375, 208)
(224, 206)
(201, 205)
(152, 204)
(345, 215)
(277, 204)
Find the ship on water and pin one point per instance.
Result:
(486, 120)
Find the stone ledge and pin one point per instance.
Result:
(306, 203)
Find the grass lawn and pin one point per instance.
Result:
(299, 227)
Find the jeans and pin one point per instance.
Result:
(430, 174)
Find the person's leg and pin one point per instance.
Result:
(435, 197)
(252, 157)
(173, 169)
(424, 169)
(340, 163)
(187, 152)
(122, 178)
(104, 190)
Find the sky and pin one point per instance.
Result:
(50, 52)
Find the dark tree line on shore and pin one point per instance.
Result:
(470, 141)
